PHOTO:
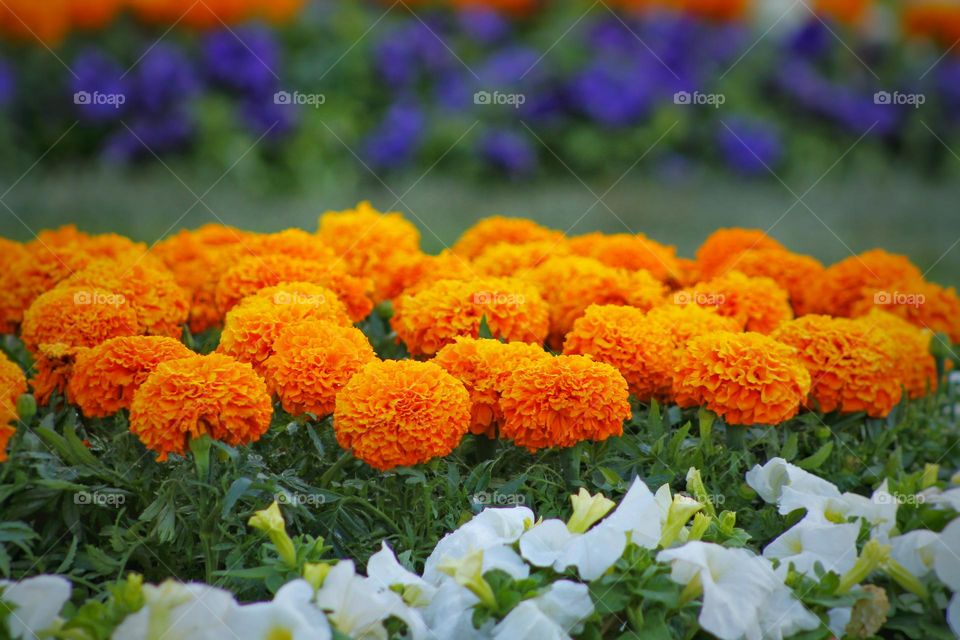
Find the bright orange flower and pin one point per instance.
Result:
(723, 245)
(253, 325)
(52, 370)
(914, 363)
(401, 413)
(631, 252)
(77, 317)
(505, 260)
(849, 12)
(849, 281)
(938, 20)
(483, 365)
(793, 272)
(747, 378)
(28, 275)
(13, 384)
(686, 322)
(497, 229)
(757, 304)
(104, 378)
(39, 22)
(434, 317)
(363, 237)
(199, 395)
(411, 273)
(851, 363)
(249, 275)
(293, 243)
(114, 247)
(571, 284)
(923, 304)
(94, 14)
(161, 305)
(561, 401)
(312, 361)
(280, 11)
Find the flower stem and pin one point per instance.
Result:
(335, 468)
(570, 463)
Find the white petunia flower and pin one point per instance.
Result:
(783, 616)
(553, 615)
(953, 614)
(641, 514)
(946, 559)
(291, 616)
(176, 610)
(915, 550)
(879, 510)
(949, 498)
(490, 528)
(36, 604)
(384, 568)
(837, 619)
(450, 614)
(770, 480)
(551, 543)
(808, 542)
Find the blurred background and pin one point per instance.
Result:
(834, 124)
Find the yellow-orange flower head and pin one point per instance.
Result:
(797, 274)
(851, 364)
(200, 395)
(571, 284)
(723, 245)
(849, 281)
(312, 361)
(434, 317)
(293, 243)
(554, 403)
(363, 237)
(496, 229)
(631, 252)
(505, 259)
(411, 273)
(253, 325)
(105, 378)
(921, 303)
(28, 273)
(747, 378)
(757, 304)
(401, 413)
(686, 322)
(77, 317)
(914, 363)
(13, 384)
(483, 365)
(52, 370)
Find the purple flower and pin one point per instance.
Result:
(245, 59)
(8, 83)
(99, 91)
(264, 117)
(509, 67)
(750, 147)
(409, 50)
(395, 141)
(150, 134)
(482, 24)
(509, 152)
(811, 40)
(948, 85)
(165, 78)
(612, 94)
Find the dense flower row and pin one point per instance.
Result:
(507, 575)
(747, 330)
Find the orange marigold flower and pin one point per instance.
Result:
(797, 274)
(104, 378)
(422, 271)
(747, 378)
(557, 403)
(294, 243)
(496, 229)
(849, 281)
(851, 364)
(401, 413)
(631, 252)
(111, 246)
(483, 365)
(363, 237)
(77, 317)
(252, 274)
(757, 304)
(436, 315)
(13, 384)
(311, 363)
(914, 363)
(504, 260)
(723, 245)
(199, 395)
(923, 304)
(254, 324)
(571, 284)
(161, 305)
(36, 271)
(686, 322)
(52, 370)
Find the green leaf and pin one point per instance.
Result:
(816, 460)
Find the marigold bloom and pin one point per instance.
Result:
(915, 365)
(253, 325)
(498, 229)
(436, 315)
(32, 272)
(363, 237)
(161, 305)
(923, 304)
(13, 384)
(111, 246)
(105, 378)
(77, 317)
(747, 378)
(561, 401)
(411, 273)
(757, 304)
(849, 281)
(483, 365)
(723, 245)
(631, 252)
(252, 274)
(571, 284)
(47, 23)
(851, 364)
(686, 322)
(504, 260)
(94, 14)
(293, 243)
(401, 413)
(52, 370)
(312, 361)
(191, 397)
